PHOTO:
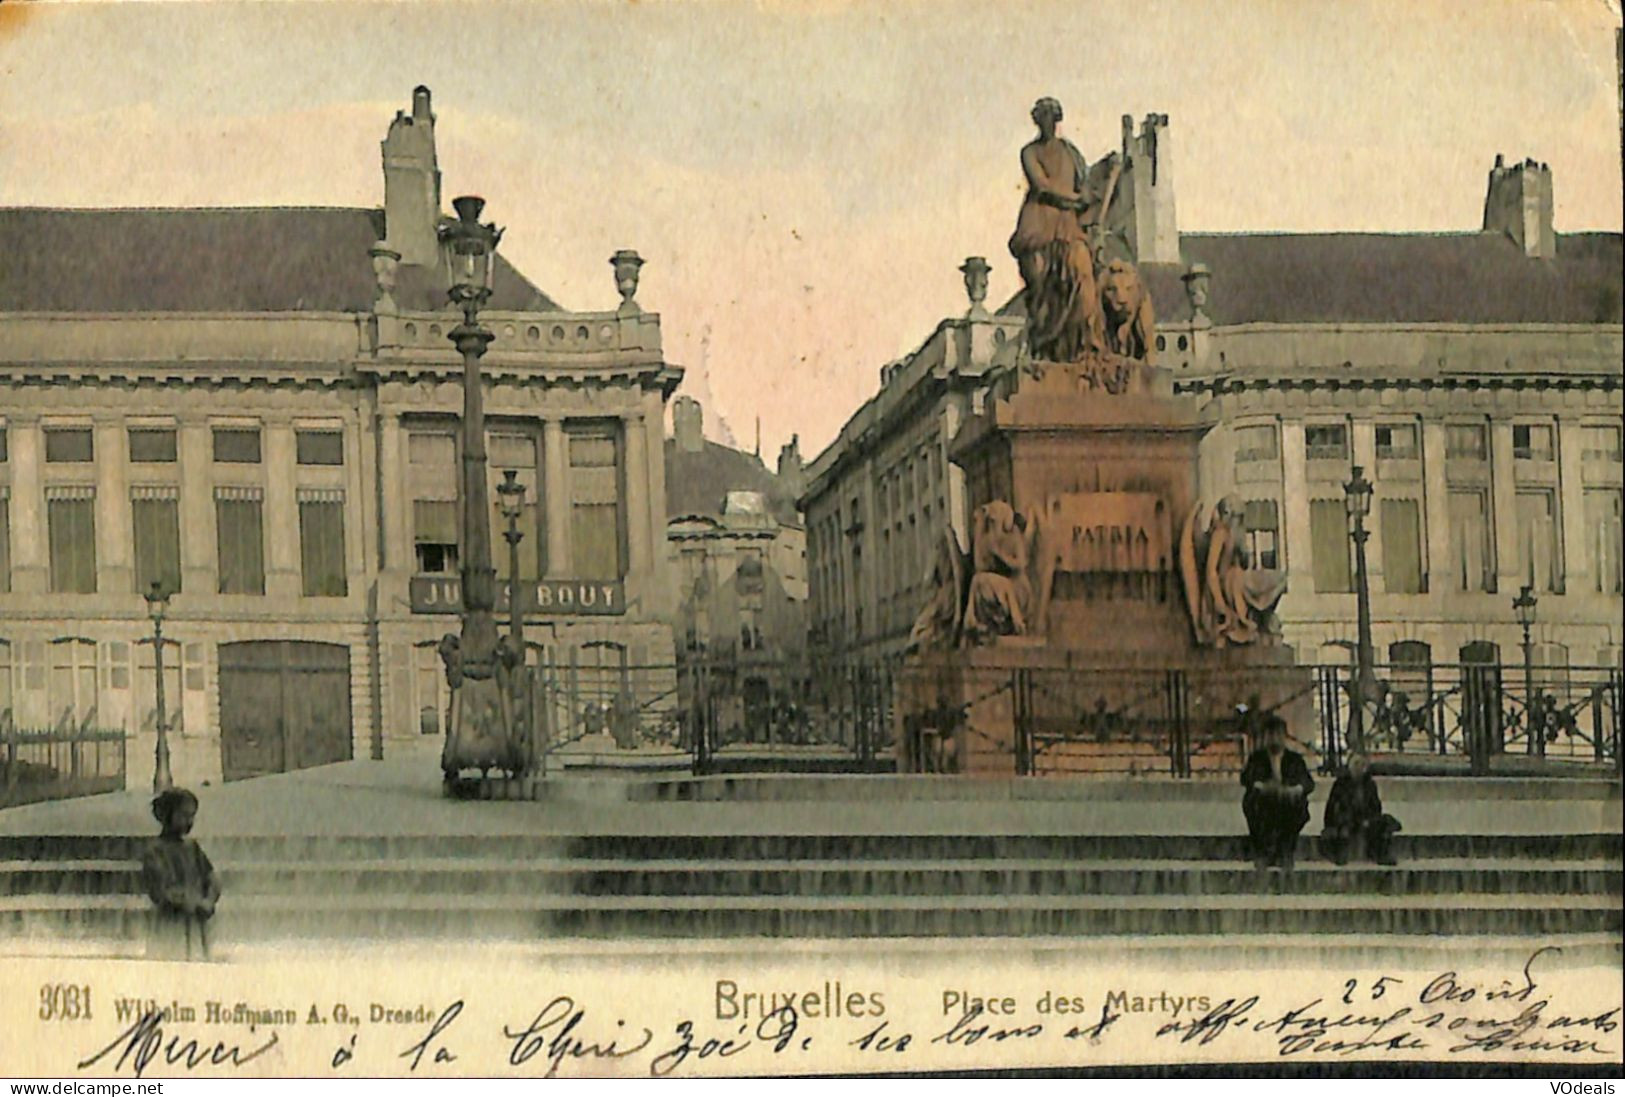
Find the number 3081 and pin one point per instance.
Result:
(64, 1002)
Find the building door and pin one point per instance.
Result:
(284, 705)
(1482, 721)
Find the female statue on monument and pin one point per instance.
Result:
(1051, 245)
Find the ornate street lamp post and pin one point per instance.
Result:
(1524, 606)
(483, 732)
(1357, 500)
(157, 602)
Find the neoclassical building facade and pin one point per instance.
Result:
(259, 409)
(1474, 377)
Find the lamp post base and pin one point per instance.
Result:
(484, 732)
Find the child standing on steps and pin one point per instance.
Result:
(180, 881)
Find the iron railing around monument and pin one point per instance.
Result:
(1478, 717)
(755, 711)
(58, 763)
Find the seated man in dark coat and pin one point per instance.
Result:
(1276, 802)
(1354, 817)
(180, 881)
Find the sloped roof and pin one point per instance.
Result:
(697, 482)
(213, 260)
(1375, 278)
(1356, 278)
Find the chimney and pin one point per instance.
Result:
(1143, 204)
(688, 424)
(412, 184)
(791, 470)
(1519, 204)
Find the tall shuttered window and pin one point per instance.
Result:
(432, 481)
(1329, 542)
(1471, 550)
(1401, 546)
(595, 503)
(1602, 529)
(321, 543)
(240, 540)
(1539, 559)
(155, 520)
(71, 515)
(5, 541)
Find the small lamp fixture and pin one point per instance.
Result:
(1357, 495)
(511, 495)
(157, 601)
(1524, 606)
(470, 252)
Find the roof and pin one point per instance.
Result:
(697, 482)
(1375, 278)
(213, 260)
(1361, 278)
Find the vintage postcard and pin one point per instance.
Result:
(683, 539)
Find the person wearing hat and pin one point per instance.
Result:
(1276, 801)
(180, 881)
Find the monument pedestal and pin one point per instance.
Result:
(1084, 480)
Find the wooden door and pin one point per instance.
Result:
(284, 705)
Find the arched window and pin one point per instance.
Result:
(72, 690)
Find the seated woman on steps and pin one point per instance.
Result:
(1355, 819)
(180, 881)
(1276, 802)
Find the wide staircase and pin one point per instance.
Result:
(1496, 866)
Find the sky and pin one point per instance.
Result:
(804, 179)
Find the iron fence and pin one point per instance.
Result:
(58, 763)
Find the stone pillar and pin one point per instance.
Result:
(1573, 546)
(30, 555)
(1363, 440)
(281, 514)
(1295, 538)
(199, 565)
(556, 460)
(1505, 517)
(953, 417)
(1441, 574)
(635, 485)
(396, 515)
(115, 537)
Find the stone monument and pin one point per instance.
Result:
(1103, 618)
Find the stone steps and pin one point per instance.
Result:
(797, 847)
(361, 916)
(449, 876)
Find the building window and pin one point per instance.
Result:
(240, 540)
(1402, 546)
(2, 444)
(321, 544)
(1329, 542)
(1603, 529)
(1256, 443)
(1532, 441)
(152, 445)
(69, 445)
(1263, 524)
(237, 445)
(155, 519)
(71, 513)
(72, 696)
(1326, 442)
(1472, 557)
(517, 452)
(434, 530)
(5, 545)
(1539, 561)
(1466, 442)
(319, 447)
(595, 509)
(1397, 442)
(1597, 444)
